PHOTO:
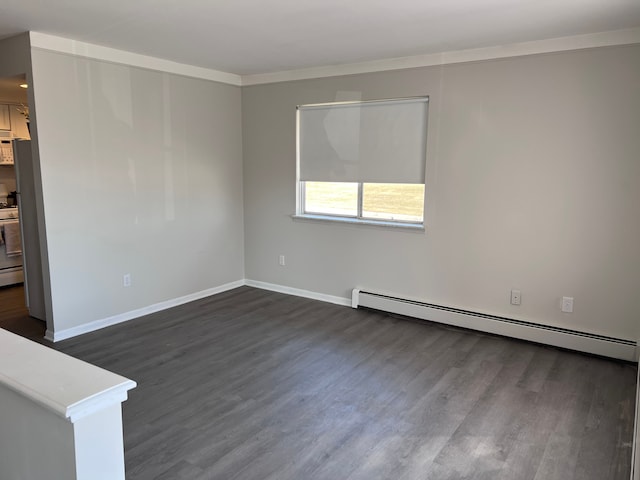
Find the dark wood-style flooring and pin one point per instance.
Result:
(251, 384)
(14, 315)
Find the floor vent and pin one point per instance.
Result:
(556, 336)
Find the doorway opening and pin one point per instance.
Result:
(17, 247)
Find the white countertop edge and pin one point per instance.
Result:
(106, 398)
(80, 409)
(66, 386)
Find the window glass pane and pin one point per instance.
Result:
(393, 201)
(331, 198)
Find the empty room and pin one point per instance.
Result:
(320, 240)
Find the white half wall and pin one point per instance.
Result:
(31, 425)
(532, 184)
(61, 417)
(141, 175)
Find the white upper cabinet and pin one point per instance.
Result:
(11, 119)
(5, 118)
(19, 127)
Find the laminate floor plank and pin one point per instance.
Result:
(311, 385)
(14, 315)
(183, 471)
(371, 397)
(250, 384)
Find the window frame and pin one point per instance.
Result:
(359, 219)
(359, 216)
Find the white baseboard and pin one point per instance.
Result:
(56, 336)
(622, 349)
(298, 292)
(123, 317)
(577, 341)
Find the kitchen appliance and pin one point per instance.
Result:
(6, 151)
(11, 271)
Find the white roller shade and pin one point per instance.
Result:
(374, 142)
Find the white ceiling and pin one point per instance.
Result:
(259, 36)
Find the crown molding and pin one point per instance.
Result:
(53, 43)
(578, 42)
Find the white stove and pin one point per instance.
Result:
(10, 213)
(10, 261)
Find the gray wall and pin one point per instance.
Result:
(141, 174)
(15, 55)
(14, 60)
(532, 183)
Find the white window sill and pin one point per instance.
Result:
(412, 227)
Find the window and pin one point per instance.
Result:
(363, 162)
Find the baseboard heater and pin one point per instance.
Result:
(556, 336)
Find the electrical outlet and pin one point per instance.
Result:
(515, 297)
(281, 261)
(567, 304)
(126, 280)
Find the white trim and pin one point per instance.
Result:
(577, 42)
(531, 333)
(355, 298)
(580, 341)
(635, 456)
(59, 335)
(66, 386)
(54, 43)
(299, 292)
(91, 405)
(73, 47)
(87, 406)
(368, 222)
